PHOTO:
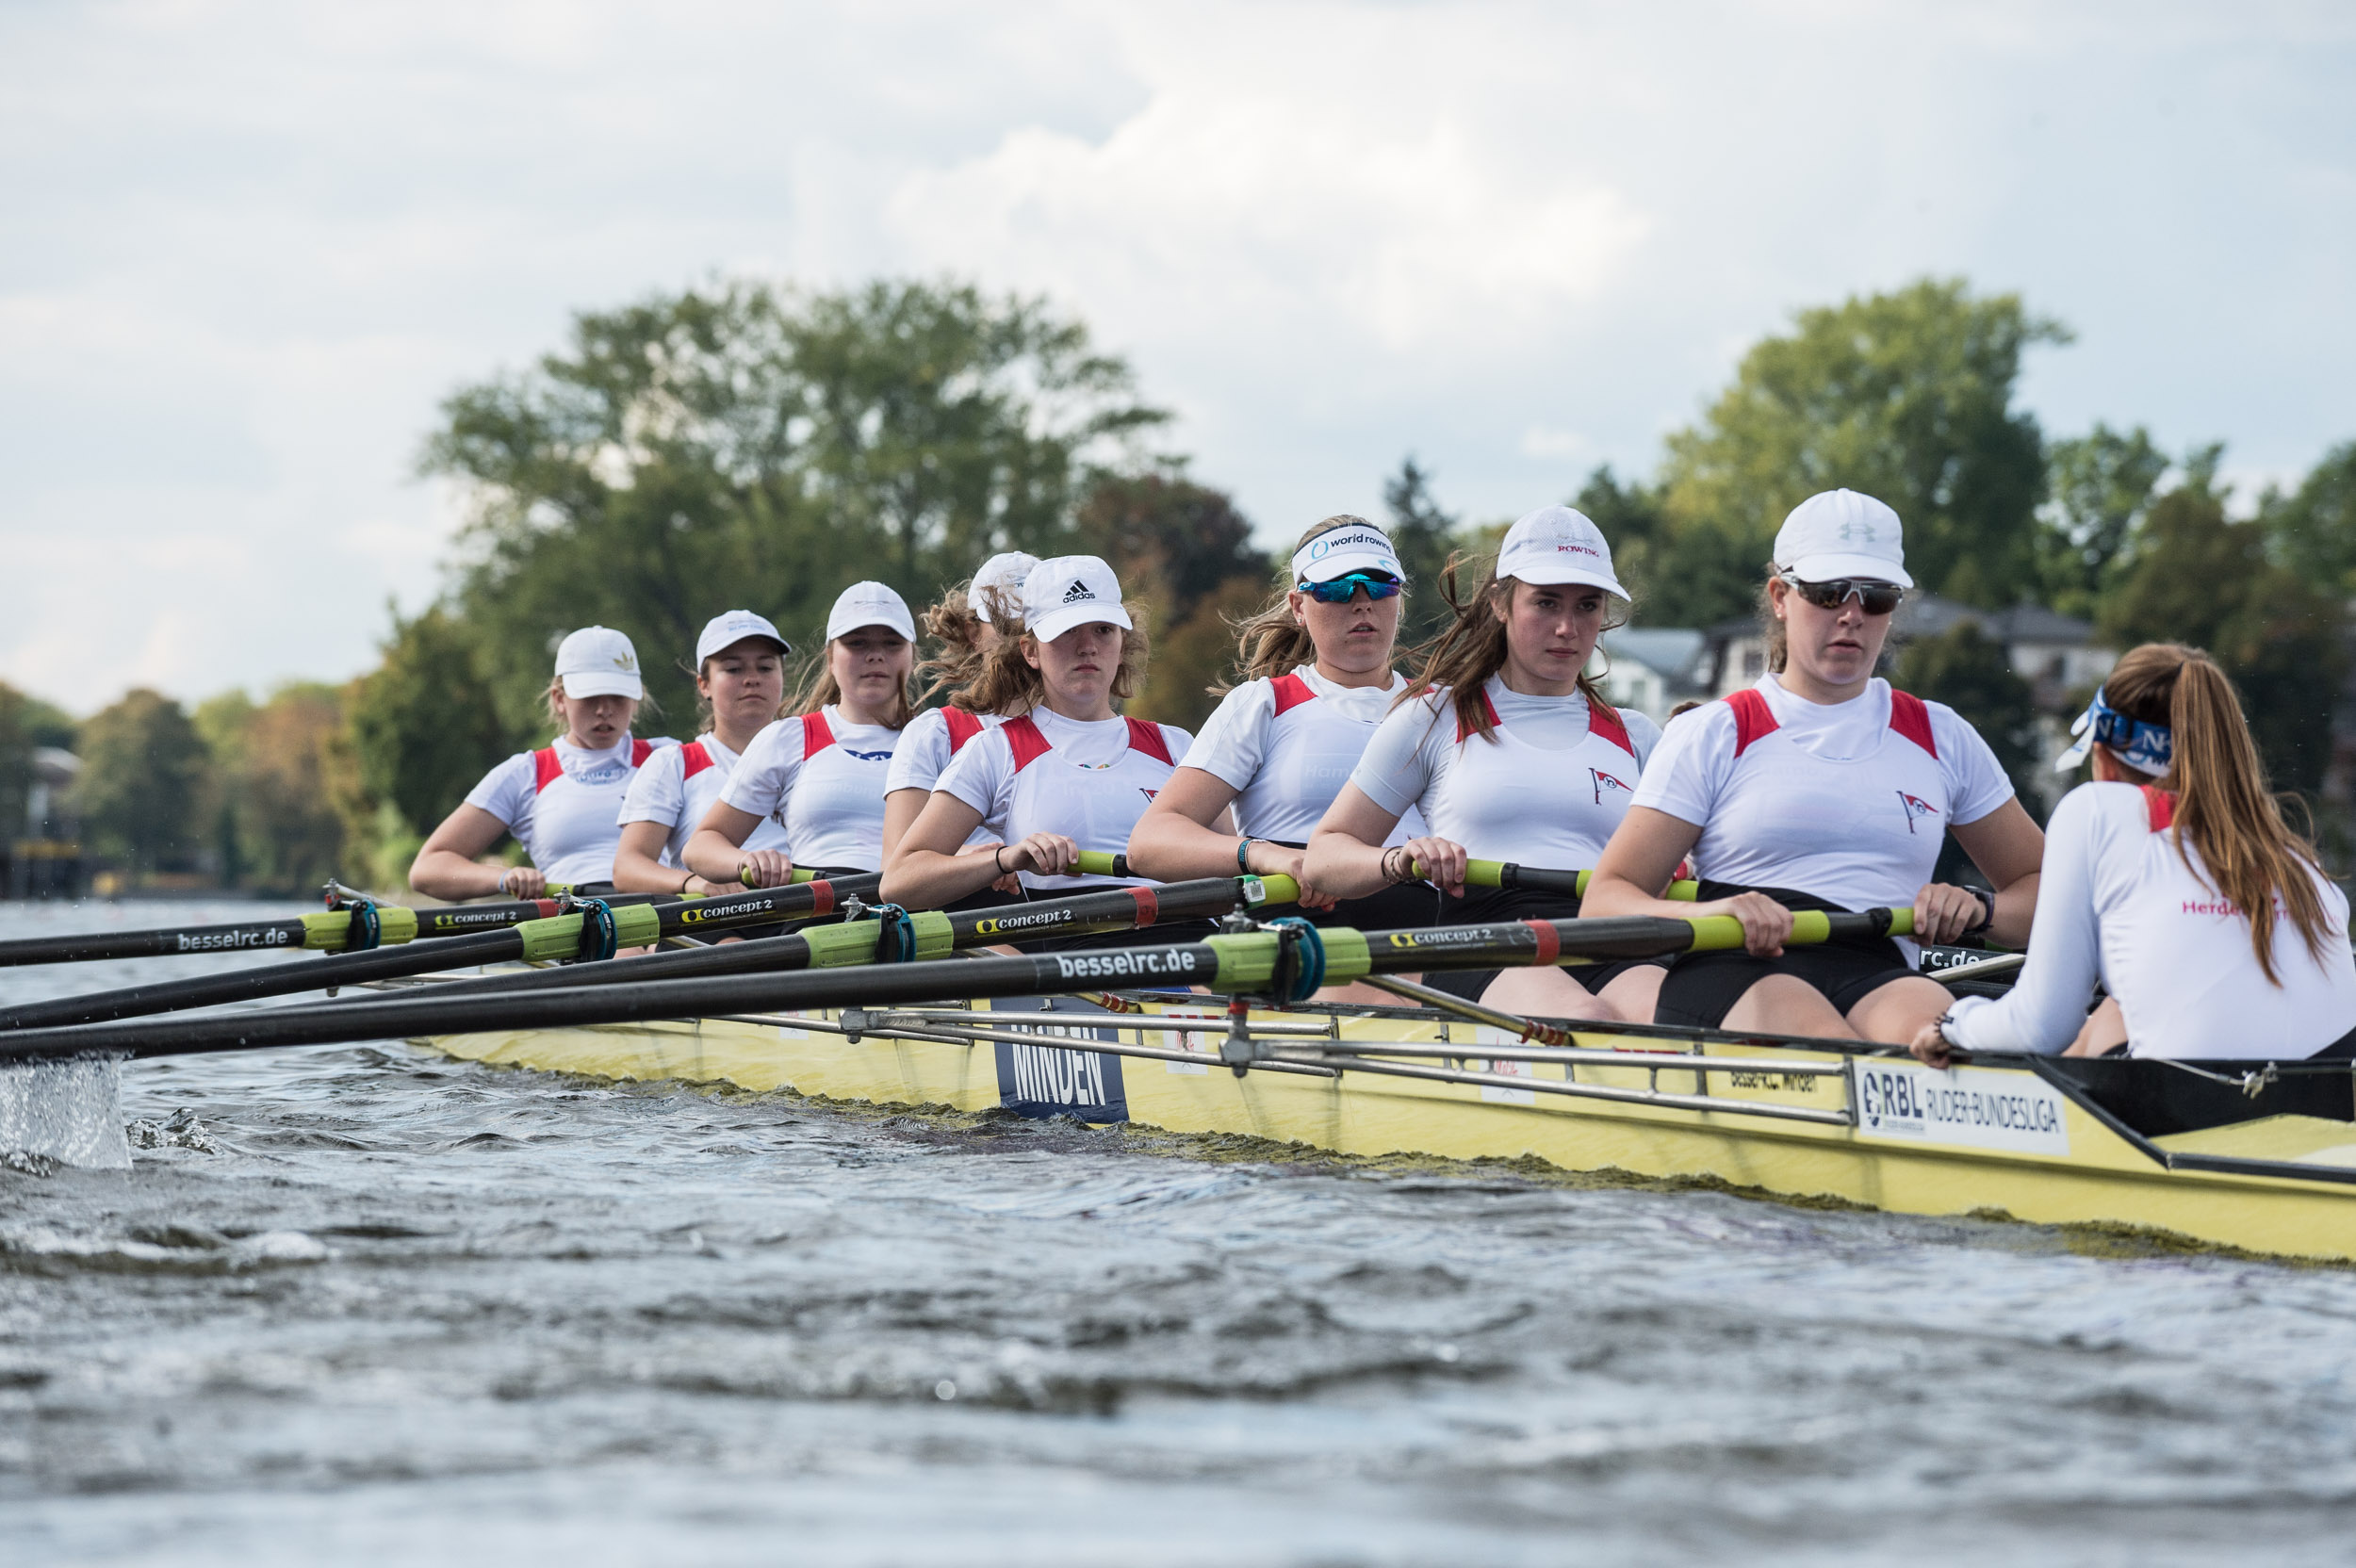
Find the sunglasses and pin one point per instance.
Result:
(1345, 588)
(1875, 598)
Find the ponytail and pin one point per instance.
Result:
(1471, 649)
(955, 623)
(2223, 808)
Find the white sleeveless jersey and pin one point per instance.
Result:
(1288, 745)
(1547, 789)
(1044, 773)
(678, 785)
(821, 779)
(561, 801)
(1845, 801)
(2117, 903)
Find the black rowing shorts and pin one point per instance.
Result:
(1702, 988)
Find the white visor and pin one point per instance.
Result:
(1356, 547)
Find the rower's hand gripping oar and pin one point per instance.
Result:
(1505, 873)
(1250, 964)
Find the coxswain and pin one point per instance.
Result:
(965, 623)
(2149, 874)
(819, 775)
(1821, 788)
(1317, 681)
(1068, 774)
(740, 686)
(560, 802)
(1507, 746)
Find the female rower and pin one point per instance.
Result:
(1069, 775)
(2149, 873)
(1512, 753)
(560, 801)
(1821, 788)
(740, 685)
(1281, 744)
(819, 774)
(966, 623)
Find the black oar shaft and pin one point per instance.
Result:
(389, 963)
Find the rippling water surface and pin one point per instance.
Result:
(364, 1304)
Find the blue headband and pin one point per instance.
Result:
(2148, 748)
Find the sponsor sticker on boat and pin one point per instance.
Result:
(2015, 1111)
(1054, 1080)
(1204, 1045)
(1498, 1094)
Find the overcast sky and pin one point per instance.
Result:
(246, 248)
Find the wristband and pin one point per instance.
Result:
(997, 859)
(1988, 908)
(1243, 852)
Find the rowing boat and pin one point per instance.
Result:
(2261, 1161)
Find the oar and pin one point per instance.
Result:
(929, 935)
(1504, 873)
(1285, 963)
(554, 937)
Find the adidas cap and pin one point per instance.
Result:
(1837, 534)
(868, 604)
(731, 627)
(598, 662)
(1556, 545)
(1002, 575)
(1065, 591)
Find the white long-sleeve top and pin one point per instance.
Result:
(2118, 903)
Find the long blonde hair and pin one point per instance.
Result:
(1009, 683)
(1271, 642)
(2224, 807)
(955, 623)
(1471, 649)
(819, 689)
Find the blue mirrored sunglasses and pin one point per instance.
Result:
(1345, 588)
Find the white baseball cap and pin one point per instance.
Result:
(1839, 534)
(1005, 572)
(868, 604)
(1356, 546)
(1065, 591)
(598, 662)
(1555, 544)
(731, 627)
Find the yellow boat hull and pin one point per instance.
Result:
(1987, 1141)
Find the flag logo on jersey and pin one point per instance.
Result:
(1915, 807)
(1602, 781)
(1146, 793)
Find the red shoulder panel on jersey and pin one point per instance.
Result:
(1488, 710)
(2161, 806)
(1028, 745)
(1911, 717)
(639, 751)
(817, 734)
(1605, 724)
(1146, 736)
(1753, 719)
(1291, 692)
(962, 727)
(695, 758)
(546, 769)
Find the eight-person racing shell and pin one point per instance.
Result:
(1823, 806)
(2119, 904)
(677, 786)
(562, 803)
(820, 778)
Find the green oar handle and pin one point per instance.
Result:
(801, 874)
(1504, 873)
(1096, 863)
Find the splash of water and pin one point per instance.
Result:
(65, 1112)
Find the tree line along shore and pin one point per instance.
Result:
(754, 444)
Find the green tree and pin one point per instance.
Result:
(223, 721)
(1906, 397)
(1679, 576)
(758, 446)
(1425, 536)
(2312, 529)
(1968, 670)
(1185, 553)
(2201, 578)
(2101, 486)
(423, 727)
(142, 780)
